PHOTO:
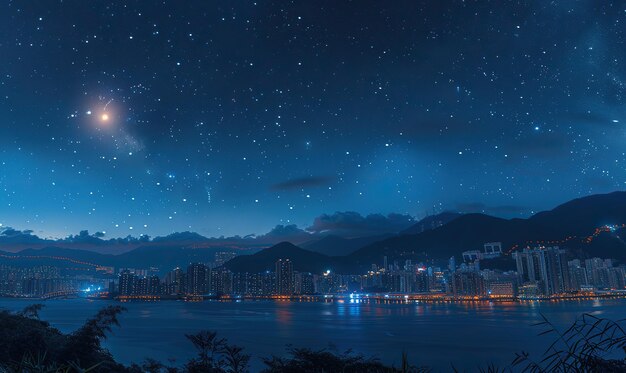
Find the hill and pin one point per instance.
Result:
(578, 218)
(432, 222)
(163, 257)
(583, 215)
(332, 245)
(303, 260)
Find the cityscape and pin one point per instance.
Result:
(322, 186)
(539, 273)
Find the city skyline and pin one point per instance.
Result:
(230, 119)
(288, 186)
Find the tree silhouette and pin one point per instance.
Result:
(236, 360)
(209, 346)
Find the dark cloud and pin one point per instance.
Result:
(285, 230)
(304, 182)
(181, 237)
(10, 235)
(11, 232)
(500, 210)
(281, 232)
(352, 224)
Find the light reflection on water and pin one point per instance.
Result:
(477, 332)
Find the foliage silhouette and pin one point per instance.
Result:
(590, 344)
(30, 345)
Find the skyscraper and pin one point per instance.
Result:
(127, 283)
(196, 279)
(547, 267)
(284, 277)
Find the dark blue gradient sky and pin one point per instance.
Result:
(229, 117)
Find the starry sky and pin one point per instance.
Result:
(229, 117)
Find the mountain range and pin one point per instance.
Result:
(575, 225)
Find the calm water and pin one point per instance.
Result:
(467, 335)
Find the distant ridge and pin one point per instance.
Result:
(303, 260)
(576, 220)
(432, 222)
(333, 245)
(579, 217)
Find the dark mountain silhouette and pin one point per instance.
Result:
(578, 218)
(432, 222)
(167, 257)
(77, 254)
(264, 260)
(582, 215)
(575, 221)
(163, 257)
(333, 245)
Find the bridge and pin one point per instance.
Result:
(60, 294)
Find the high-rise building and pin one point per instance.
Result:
(221, 281)
(175, 282)
(141, 286)
(154, 285)
(577, 275)
(196, 279)
(557, 280)
(493, 248)
(221, 257)
(452, 264)
(284, 277)
(545, 266)
(304, 283)
(468, 284)
(127, 283)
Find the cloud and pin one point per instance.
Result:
(351, 224)
(285, 230)
(10, 232)
(499, 210)
(281, 232)
(10, 235)
(347, 224)
(304, 182)
(181, 237)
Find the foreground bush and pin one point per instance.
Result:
(591, 344)
(29, 345)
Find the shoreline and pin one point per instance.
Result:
(334, 298)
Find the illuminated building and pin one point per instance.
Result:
(175, 282)
(468, 284)
(304, 283)
(221, 257)
(547, 267)
(127, 283)
(284, 277)
(196, 279)
(501, 289)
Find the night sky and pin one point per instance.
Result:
(229, 117)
